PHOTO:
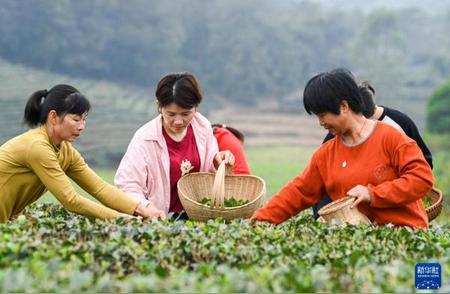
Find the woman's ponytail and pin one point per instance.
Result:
(367, 91)
(32, 113)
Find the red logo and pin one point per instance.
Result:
(381, 172)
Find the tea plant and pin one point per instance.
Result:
(49, 249)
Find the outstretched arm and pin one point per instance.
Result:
(43, 161)
(108, 194)
(300, 193)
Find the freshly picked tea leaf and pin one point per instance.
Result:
(232, 202)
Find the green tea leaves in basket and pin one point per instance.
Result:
(232, 202)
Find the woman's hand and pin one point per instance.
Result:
(361, 193)
(149, 210)
(225, 156)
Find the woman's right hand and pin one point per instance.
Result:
(149, 210)
(225, 156)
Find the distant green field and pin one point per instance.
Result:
(276, 165)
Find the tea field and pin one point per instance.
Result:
(51, 250)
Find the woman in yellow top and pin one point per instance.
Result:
(44, 159)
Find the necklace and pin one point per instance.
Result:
(361, 129)
(344, 163)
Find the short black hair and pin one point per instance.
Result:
(325, 92)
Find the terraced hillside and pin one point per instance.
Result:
(272, 128)
(117, 111)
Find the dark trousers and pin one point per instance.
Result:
(323, 201)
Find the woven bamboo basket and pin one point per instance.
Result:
(192, 188)
(340, 210)
(435, 195)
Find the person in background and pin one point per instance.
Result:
(382, 168)
(44, 159)
(178, 141)
(229, 138)
(395, 118)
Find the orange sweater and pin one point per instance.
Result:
(388, 162)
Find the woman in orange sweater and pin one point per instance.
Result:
(381, 167)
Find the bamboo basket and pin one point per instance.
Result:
(340, 210)
(218, 187)
(435, 209)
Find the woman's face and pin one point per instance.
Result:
(175, 118)
(69, 127)
(336, 124)
(333, 123)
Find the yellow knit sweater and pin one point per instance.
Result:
(30, 165)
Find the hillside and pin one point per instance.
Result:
(117, 111)
(272, 128)
(241, 50)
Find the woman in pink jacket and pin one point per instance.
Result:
(179, 140)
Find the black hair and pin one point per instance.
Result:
(367, 91)
(182, 89)
(239, 135)
(325, 92)
(61, 98)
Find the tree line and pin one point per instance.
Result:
(243, 51)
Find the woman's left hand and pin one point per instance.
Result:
(225, 156)
(361, 193)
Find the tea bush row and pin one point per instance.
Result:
(50, 244)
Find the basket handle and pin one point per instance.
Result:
(218, 189)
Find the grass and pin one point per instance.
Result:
(278, 165)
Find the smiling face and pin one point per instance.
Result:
(331, 122)
(335, 123)
(68, 128)
(176, 119)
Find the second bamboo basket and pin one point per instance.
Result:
(340, 210)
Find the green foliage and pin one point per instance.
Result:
(439, 145)
(49, 249)
(244, 53)
(438, 110)
(52, 250)
(241, 50)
